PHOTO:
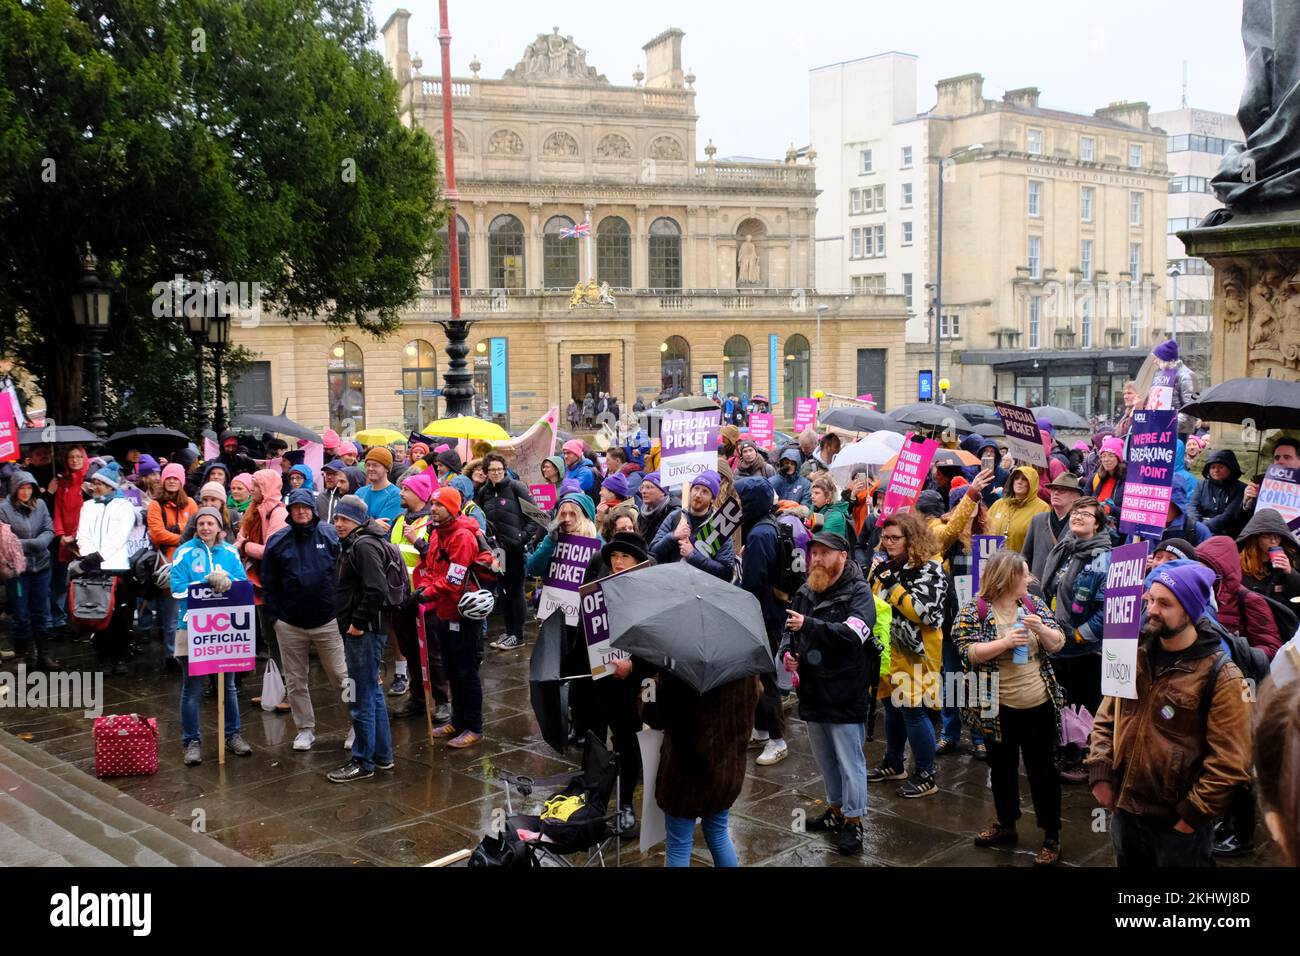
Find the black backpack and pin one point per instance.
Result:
(791, 563)
(397, 581)
(1251, 661)
(1283, 616)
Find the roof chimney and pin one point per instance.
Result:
(663, 61)
(1136, 115)
(396, 52)
(960, 95)
(1026, 96)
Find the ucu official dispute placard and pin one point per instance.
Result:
(222, 629)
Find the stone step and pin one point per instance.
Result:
(53, 814)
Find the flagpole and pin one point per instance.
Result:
(591, 275)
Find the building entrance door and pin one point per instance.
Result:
(590, 376)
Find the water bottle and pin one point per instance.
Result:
(1021, 654)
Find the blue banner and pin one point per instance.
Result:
(500, 378)
(1149, 481)
(773, 355)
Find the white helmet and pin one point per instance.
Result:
(476, 605)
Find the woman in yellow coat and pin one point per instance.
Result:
(1010, 516)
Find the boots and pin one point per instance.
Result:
(42, 659)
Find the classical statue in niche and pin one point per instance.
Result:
(747, 262)
(1235, 291)
(1264, 306)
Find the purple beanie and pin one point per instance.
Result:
(1191, 583)
(710, 480)
(1166, 351)
(616, 485)
(654, 479)
(147, 465)
(1045, 425)
(569, 486)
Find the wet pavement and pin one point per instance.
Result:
(277, 807)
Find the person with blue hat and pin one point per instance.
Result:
(675, 539)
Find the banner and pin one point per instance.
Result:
(1149, 485)
(983, 546)
(221, 629)
(1161, 396)
(1280, 490)
(500, 377)
(595, 627)
(773, 364)
(564, 577)
(718, 527)
(762, 430)
(544, 496)
(910, 472)
(1119, 640)
(689, 445)
(9, 450)
(805, 413)
(1023, 437)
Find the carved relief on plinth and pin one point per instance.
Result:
(1267, 296)
(462, 144)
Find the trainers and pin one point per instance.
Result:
(442, 714)
(828, 822)
(193, 755)
(445, 730)
(773, 752)
(352, 770)
(304, 740)
(885, 772)
(1232, 845)
(626, 823)
(995, 834)
(1073, 773)
(385, 766)
(237, 745)
(413, 706)
(756, 742)
(508, 643)
(400, 685)
(920, 785)
(467, 739)
(352, 738)
(848, 839)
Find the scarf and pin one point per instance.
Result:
(1067, 559)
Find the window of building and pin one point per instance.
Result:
(1085, 258)
(559, 255)
(736, 357)
(907, 288)
(950, 327)
(1085, 321)
(1178, 225)
(1086, 194)
(798, 364)
(1035, 320)
(1029, 390)
(1087, 149)
(1034, 142)
(419, 381)
(873, 199)
(346, 374)
(1134, 259)
(907, 157)
(907, 194)
(614, 253)
(856, 248)
(1190, 184)
(442, 267)
(1135, 323)
(1035, 257)
(864, 160)
(880, 239)
(1134, 209)
(1213, 145)
(907, 233)
(506, 253)
(872, 284)
(1192, 267)
(675, 366)
(855, 201)
(665, 255)
(1134, 155)
(1035, 198)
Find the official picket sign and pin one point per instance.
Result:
(595, 627)
(1021, 433)
(689, 443)
(910, 471)
(1148, 489)
(560, 590)
(1119, 641)
(221, 629)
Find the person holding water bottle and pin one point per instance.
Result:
(1269, 557)
(1005, 637)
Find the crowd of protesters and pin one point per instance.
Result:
(865, 613)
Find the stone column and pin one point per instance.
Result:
(478, 247)
(640, 248)
(713, 247)
(533, 265)
(690, 248)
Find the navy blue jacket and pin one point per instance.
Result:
(758, 564)
(299, 570)
(665, 550)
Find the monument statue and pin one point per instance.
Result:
(747, 260)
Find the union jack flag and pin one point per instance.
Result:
(575, 232)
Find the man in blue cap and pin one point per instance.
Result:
(1167, 762)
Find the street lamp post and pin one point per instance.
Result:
(938, 259)
(196, 327)
(218, 339)
(90, 307)
(1174, 273)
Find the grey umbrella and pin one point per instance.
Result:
(855, 419)
(1061, 417)
(931, 415)
(690, 403)
(978, 414)
(278, 425)
(703, 630)
(57, 435)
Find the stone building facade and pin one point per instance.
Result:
(708, 265)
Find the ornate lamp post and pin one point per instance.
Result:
(218, 339)
(90, 305)
(196, 327)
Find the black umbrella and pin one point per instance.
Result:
(854, 419)
(931, 415)
(278, 425)
(700, 628)
(690, 403)
(548, 688)
(990, 431)
(1061, 417)
(1267, 402)
(57, 435)
(978, 414)
(153, 441)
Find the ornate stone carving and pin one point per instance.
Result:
(560, 144)
(1265, 306)
(506, 142)
(461, 143)
(614, 146)
(665, 147)
(1236, 291)
(589, 294)
(553, 57)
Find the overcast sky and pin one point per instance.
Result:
(751, 59)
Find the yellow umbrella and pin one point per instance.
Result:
(472, 429)
(379, 436)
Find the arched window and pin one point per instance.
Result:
(347, 388)
(735, 366)
(675, 366)
(442, 267)
(559, 255)
(614, 253)
(506, 253)
(798, 362)
(665, 255)
(419, 377)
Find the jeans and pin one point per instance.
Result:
(512, 592)
(28, 596)
(1030, 732)
(838, 751)
(681, 835)
(58, 589)
(374, 741)
(908, 725)
(148, 611)
(952, 715)
(295, 644)
(460, 643)
(1144, 843)
(192, 692)
(167, 611)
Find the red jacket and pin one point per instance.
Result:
(67, 502)
(452, 549)
(1234, 599)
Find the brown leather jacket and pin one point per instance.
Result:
(1162, 760)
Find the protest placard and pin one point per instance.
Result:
(595, 627)
(1119, 639)
(221, 629)
(689, 445)
(1161, 396)
(1022, 435)
(543, 496)
(1149, 483)
(805, 413)
(718, 527)
(983, 546)
(9, 450)
(560, 589)
(761, 429)
(1280, 490)
(910, 471)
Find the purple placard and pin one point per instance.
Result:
(564, 576)
(1125, 582)
(689, 443)
(1021, 432)
(1149, 483)
(983, 546)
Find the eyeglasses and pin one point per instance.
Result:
(498, 470)
(893, 537)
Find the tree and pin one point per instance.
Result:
(254, 142)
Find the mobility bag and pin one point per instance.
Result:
(90, 600)
(126, 745)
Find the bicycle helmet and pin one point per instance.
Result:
(476, 605)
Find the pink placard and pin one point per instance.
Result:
(8, 429)
(761, 429)
(805, 413)
(908, 478)
(543, 496)
(314, 458)
(210, 450)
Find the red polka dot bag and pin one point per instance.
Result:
(126, 745)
